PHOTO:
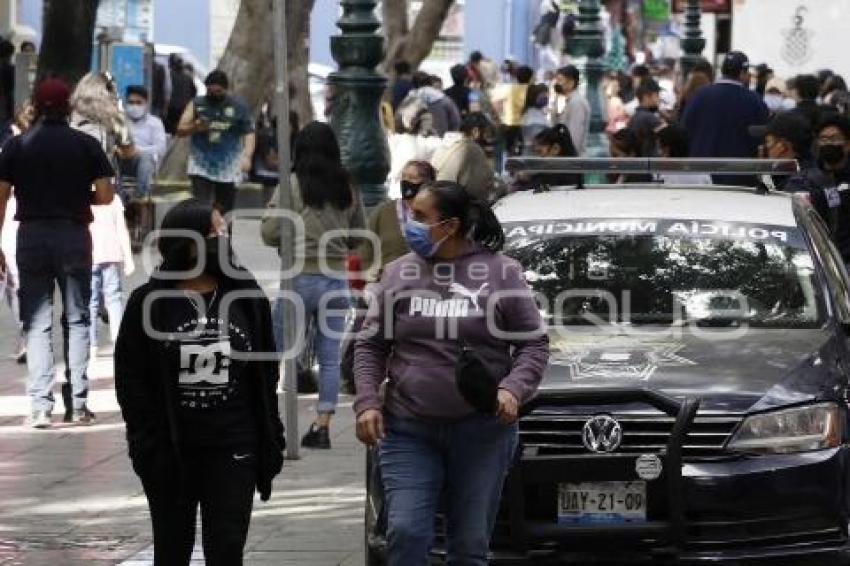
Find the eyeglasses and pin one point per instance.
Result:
(829, 140)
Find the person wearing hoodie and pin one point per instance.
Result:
(196, 379)
(445, 115)
(453, 299)
(465, 162)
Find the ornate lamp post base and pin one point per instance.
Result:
(692, 43)
(357, 96)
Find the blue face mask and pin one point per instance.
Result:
(418, 236)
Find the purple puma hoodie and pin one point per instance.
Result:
(419, 313)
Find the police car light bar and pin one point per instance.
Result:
(652, 165)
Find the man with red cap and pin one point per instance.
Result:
(57, 174)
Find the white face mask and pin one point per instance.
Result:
(774, 102)
(136, 111)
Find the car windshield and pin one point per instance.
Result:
(668, 272)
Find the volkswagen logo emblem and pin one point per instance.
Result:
(602, 434)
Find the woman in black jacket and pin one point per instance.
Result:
(197, 383)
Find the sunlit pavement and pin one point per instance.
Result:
(68, 495)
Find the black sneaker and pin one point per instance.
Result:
(317, 437)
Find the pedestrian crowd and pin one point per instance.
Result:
(197, 394)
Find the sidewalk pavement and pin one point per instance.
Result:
(68, 496)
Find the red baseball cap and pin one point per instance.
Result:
(52, 94)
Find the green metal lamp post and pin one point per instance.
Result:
(692, 43)
(588, 44)
(358, 88)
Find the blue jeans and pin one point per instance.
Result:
(106, 280)
(311, 288)
(143, 167)
(467, 460)
(52, 252)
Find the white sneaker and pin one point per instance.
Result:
(39, 420)
(93, 353)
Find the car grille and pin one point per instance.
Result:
(550, 433)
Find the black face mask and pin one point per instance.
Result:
(559, 89)
(215, 98)
(832, 154)
(409, 190)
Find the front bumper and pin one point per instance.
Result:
(778, 509)
(770, 507)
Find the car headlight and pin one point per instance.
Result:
(800, 429)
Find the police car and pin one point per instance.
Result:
(695, 405)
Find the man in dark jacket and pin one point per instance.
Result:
(719, 116)
(833, 200)
(646, 118)
(183, 91)
(807, 89)
(788, 136)
(459, 93)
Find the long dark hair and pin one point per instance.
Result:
(476, 218)
(318, 166)
(560, 135)
(192, 215)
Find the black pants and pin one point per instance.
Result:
(222, 195)
(222, 482)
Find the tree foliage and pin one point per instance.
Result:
(248, 61)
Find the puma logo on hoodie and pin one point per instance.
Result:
(448, 308)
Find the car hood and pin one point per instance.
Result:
(732, 371)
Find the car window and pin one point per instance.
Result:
(833, 265)
(660, 271)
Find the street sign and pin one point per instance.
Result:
(133, 17)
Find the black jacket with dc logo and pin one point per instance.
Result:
(162, 411)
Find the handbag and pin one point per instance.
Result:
(478, 384)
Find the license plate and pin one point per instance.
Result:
(602, 502)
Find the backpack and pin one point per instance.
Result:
(413, 116)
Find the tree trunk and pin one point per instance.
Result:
(247, 62)
(298, 58)
(66, 50)
(414, 46)
(395, 28)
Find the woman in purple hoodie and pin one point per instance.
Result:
(454, 289)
